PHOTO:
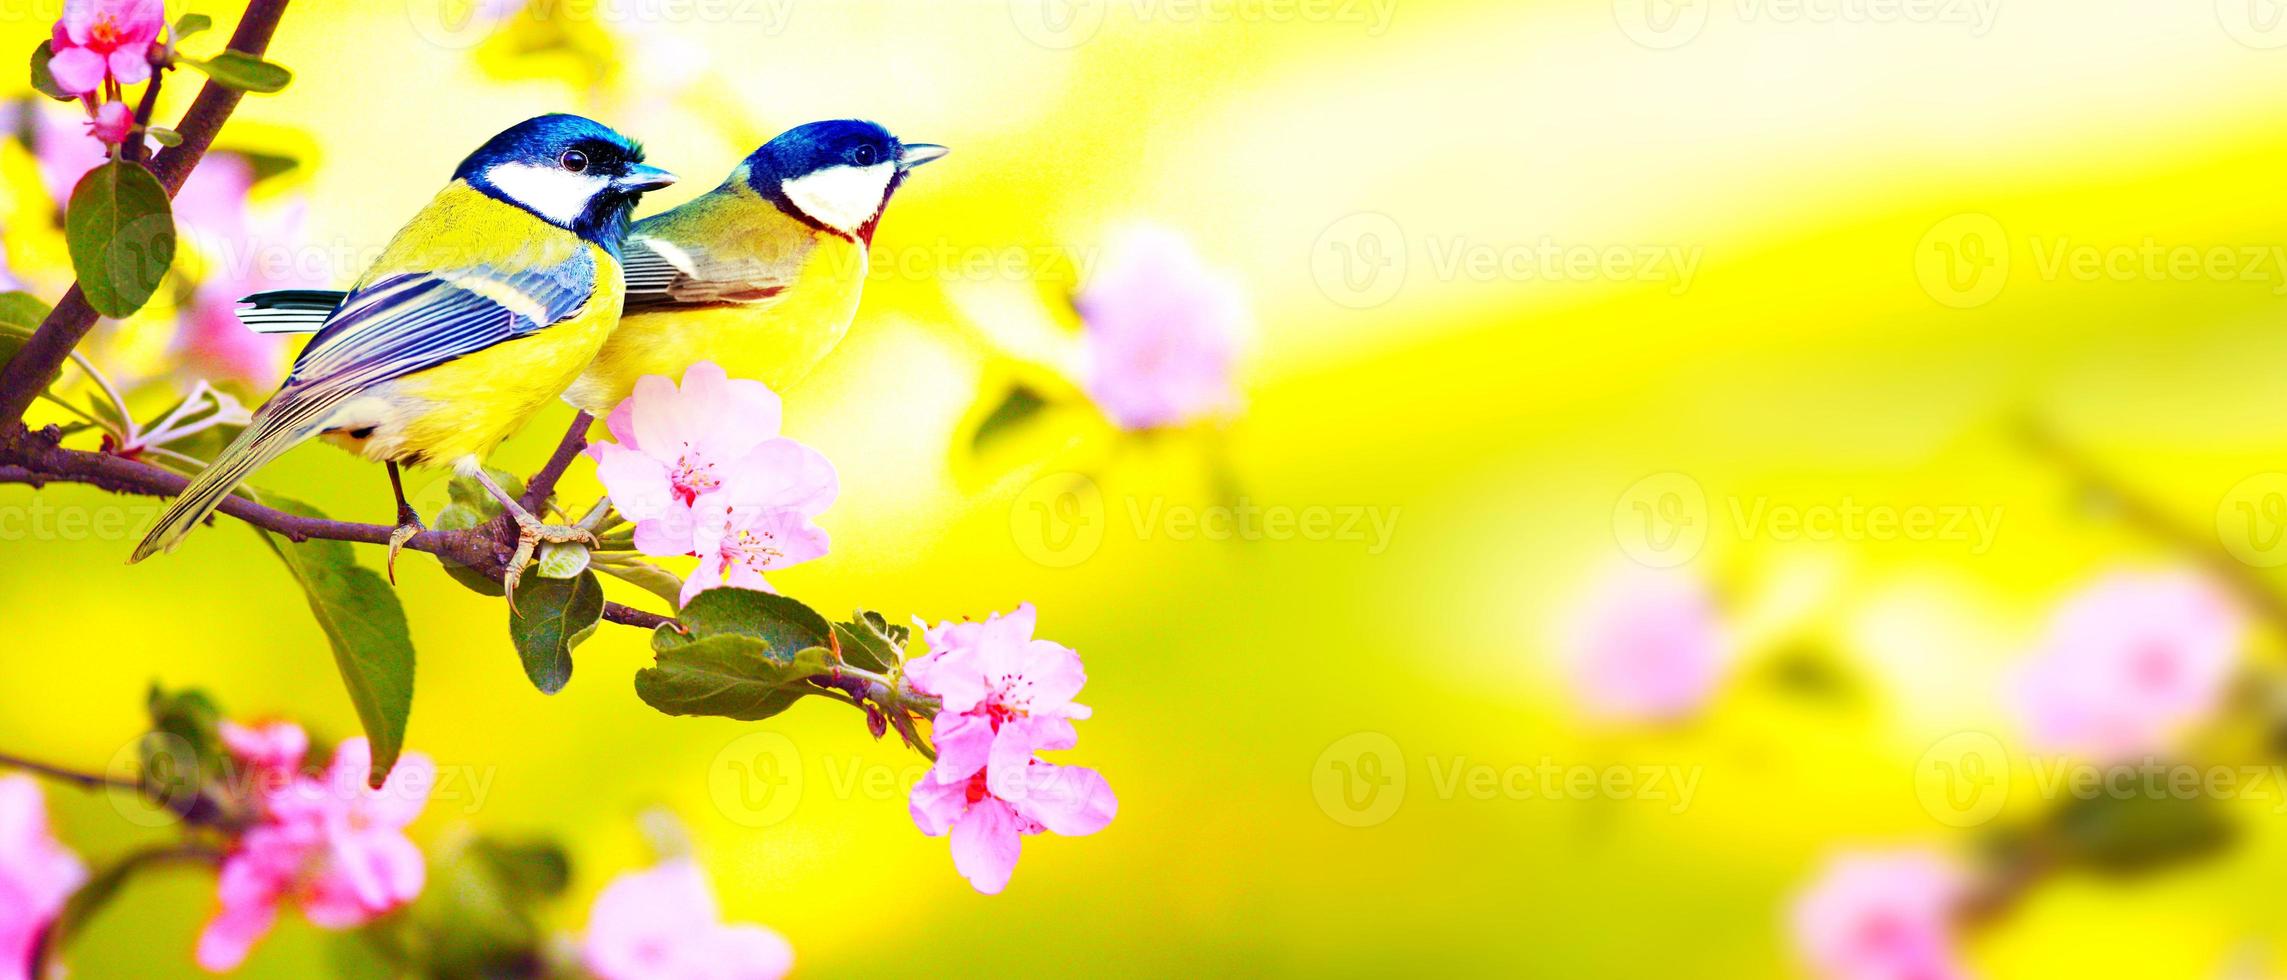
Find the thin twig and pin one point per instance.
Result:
(2145, 516)
(543, 483)
(26, 374)
(84, 780)
(35, 459)
(137, 146)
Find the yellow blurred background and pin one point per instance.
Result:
(1763, 286)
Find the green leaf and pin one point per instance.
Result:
(871, 642)
(561, 560)
(365, 625)
(45, 80)
(471, 506)
(550, 617)
(165, 136)
(729, 676)
(190, 24)
(1021, 404)
(479, 915)
(22, 311)
(242, 71)
(121, 233)
(20, 317)
(183, 752)
(467, 492)
(783, 625)
(529, 869)
(2137, 832)
(267, 165)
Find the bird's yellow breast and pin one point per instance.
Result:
(465, 407)
(776, 341)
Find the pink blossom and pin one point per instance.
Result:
(272, 753)
(333, 845)
(738, 543)
(1004, 696)
(36, 874)
(662, 924)
(2129, 663)
(112, 122)
(701, 470)
(1648, 647)
(64, 149)
(213, 214)
(990, 811)
(1881, 916)
(99, 39)
(1163, 332)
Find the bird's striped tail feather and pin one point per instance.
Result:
(287, 421)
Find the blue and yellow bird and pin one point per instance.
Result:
(761, 275)
(482, 309)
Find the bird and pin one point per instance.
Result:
(761, 275)
(480, 311)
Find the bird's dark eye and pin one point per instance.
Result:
(574, 161)
(863, 156)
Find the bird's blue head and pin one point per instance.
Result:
(836, 175)
(572, 172)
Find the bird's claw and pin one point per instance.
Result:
(397, 538)
(531, 532)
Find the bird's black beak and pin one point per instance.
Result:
(917, 154)
(642, 178)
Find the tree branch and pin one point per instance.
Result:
(543, 483)
(84, 780)
(36, 459)
(27, 373)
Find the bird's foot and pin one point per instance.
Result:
(531, 532)
(410, 526)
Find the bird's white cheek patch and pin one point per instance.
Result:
(554, 193)
(842, 198)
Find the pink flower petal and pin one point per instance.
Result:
(1881, 915)
(746, 952)
(78, 71)
(662, 924)
(936, 803)
(131, 65)
(986, 844)
(231, 934)
(964, 742)
(1163, 331)
(1068, 800)
(36, 873)
(637, 482)
(403, 796)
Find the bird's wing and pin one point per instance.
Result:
(402, 324)
(669, 275)
(290, 310)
